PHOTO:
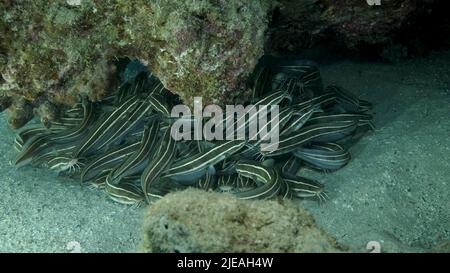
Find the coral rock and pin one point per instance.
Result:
(58, 50)
(198, 221)
(204, 48)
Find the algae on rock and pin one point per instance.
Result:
(199, 221)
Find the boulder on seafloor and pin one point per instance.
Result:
(55, 50)
(199, 221)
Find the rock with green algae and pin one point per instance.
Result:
(199, 221)
(55, 50)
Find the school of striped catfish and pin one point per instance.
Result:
(123, 143)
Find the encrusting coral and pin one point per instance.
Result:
(198, 221)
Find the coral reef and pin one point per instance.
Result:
(55, 51)
(198, 221)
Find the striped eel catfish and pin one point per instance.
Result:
(234, 181)
(349, 101)
(321, 100)
(194, 167)
(304, 73)
(283, 116)
(26, 134)
(61, 163)
(113, 127)
(299, 118)
(253, 147)
(292, 118)
(269, 179)
(70, 118)
(289, 85)
(286, 191)
(227, 166)
(76, 111)
(162, 160)
(58, 157)
(137, 161)
(67, 122)
(261, 82)
(305, 188)
(187, 149)
(100, 181)
(105, 126)
(130, 89)
(305, 110)
(317, 132)
(324, 156)
(123, 143)
(43, 143)
(338, 131)
(271, 99)
(153, 96)
(127, 191)
(39, 149)
(128, 123)
(291, 167)
(77, 132)
(158, 104)
(208, 182)
(361, 118)
(59, 150)
(35, 145)
(226, 183)
(108, 160)
(303, 78)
